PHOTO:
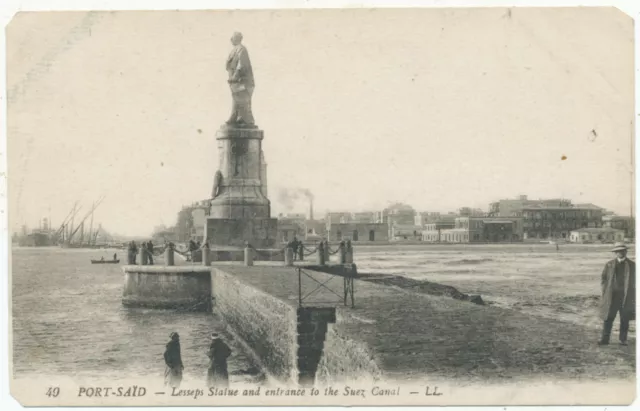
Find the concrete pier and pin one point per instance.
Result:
(175, 287)
(262, 304)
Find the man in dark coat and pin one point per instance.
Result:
(618, 294)
(219, 351)
(132, 251)
(173, 360)
(294, 247)
(150, 249)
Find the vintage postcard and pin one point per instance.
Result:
(393, 206)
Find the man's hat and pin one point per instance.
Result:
(214, 336)
(174, 335)
(619, 247)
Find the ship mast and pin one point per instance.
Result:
(63, 229)
(91, 225)
(95, 205)
(81, 226)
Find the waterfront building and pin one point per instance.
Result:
(315, 230)
(455, 235)
(199, 214)
(428, 217)
(402, 232)
(475, 230)
(336, 217)
(511, 207)
(290, 226)
(548, 218)
(546, 222)
(397, 214)
(471, 212)
(358, 232)
(199, 217)
(432, 230)
(625, 223)
(363, 217)
(596, 235)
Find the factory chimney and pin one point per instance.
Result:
(311, 209)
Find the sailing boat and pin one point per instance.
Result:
(91, 237)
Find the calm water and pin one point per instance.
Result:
(68, 318)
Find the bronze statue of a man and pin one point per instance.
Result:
(240, 82)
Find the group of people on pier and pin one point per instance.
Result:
(145, 251)
(217, 372)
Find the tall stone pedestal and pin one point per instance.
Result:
(241, 212)
(259, 232)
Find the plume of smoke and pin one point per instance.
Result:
(289, 196)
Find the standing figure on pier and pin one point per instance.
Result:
(241, 83)
(219, 351)
(294, 247)
(618, 294)
(173, 361)
(132, 252)
(149, 247)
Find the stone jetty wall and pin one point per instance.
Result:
(267, 324)
(152, 286)
(346, 359)
(289, 340)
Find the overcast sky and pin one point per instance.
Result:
(438, 108)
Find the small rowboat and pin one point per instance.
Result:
(105, 261)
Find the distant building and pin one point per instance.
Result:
(454, 235)
(549, 218)
(336, 217)
(398, 213)
(624, 223)
(432, 231)
(471, 212)
(197, 230)
(511, 207)
(546, 222)
(476, 230)
(358, 232)
(199, 213)
(364, 217)
(426, 217)
(290, 226)
(596, 235)
(315, 230)
(400, 232)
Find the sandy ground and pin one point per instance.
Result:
(450, 338)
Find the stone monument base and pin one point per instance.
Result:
(259, 232)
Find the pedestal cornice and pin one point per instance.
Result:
(229, 132)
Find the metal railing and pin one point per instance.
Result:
(345, 297)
